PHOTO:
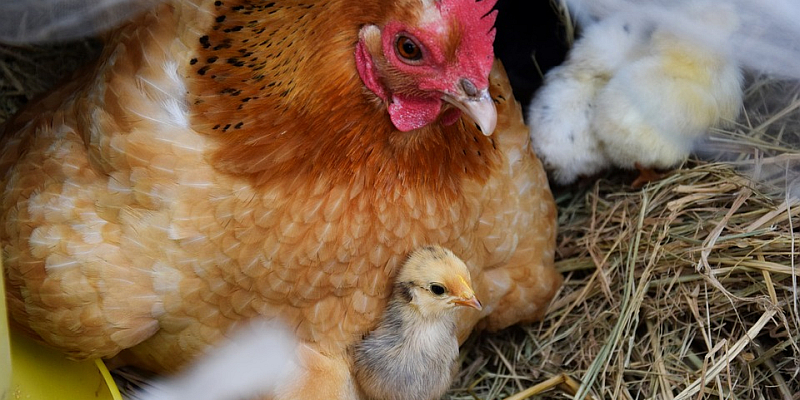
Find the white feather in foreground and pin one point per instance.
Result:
(257, 360)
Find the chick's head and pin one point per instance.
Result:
(429, 61)
(435, 281)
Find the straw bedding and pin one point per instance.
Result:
(685, 289)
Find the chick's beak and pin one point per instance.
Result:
(477, 104)
(470, 301)
(463, 295)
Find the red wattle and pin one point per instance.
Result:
(409, 113)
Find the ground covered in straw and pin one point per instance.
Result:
(684, 289)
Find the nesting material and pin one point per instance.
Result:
(685, 289)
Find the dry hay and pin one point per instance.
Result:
(681, 290)
(684, 286)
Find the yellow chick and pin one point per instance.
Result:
(561, 112)
(411, 354)
(654, 109)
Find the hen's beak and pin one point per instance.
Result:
(477, 104)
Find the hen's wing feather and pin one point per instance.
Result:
(527, 280)
(86, 186)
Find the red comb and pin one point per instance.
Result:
(477, 20)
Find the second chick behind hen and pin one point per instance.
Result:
(637, 92)
(653, 110)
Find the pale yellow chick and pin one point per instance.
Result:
(412, 353)
(653, 110)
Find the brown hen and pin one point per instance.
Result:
(226, 160)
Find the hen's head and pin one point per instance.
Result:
(424, 60)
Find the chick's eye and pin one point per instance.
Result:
(438, 289)
(408, 49)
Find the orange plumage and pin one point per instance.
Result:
(224, 161)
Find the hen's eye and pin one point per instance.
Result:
(438, 289)
(408, 49)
